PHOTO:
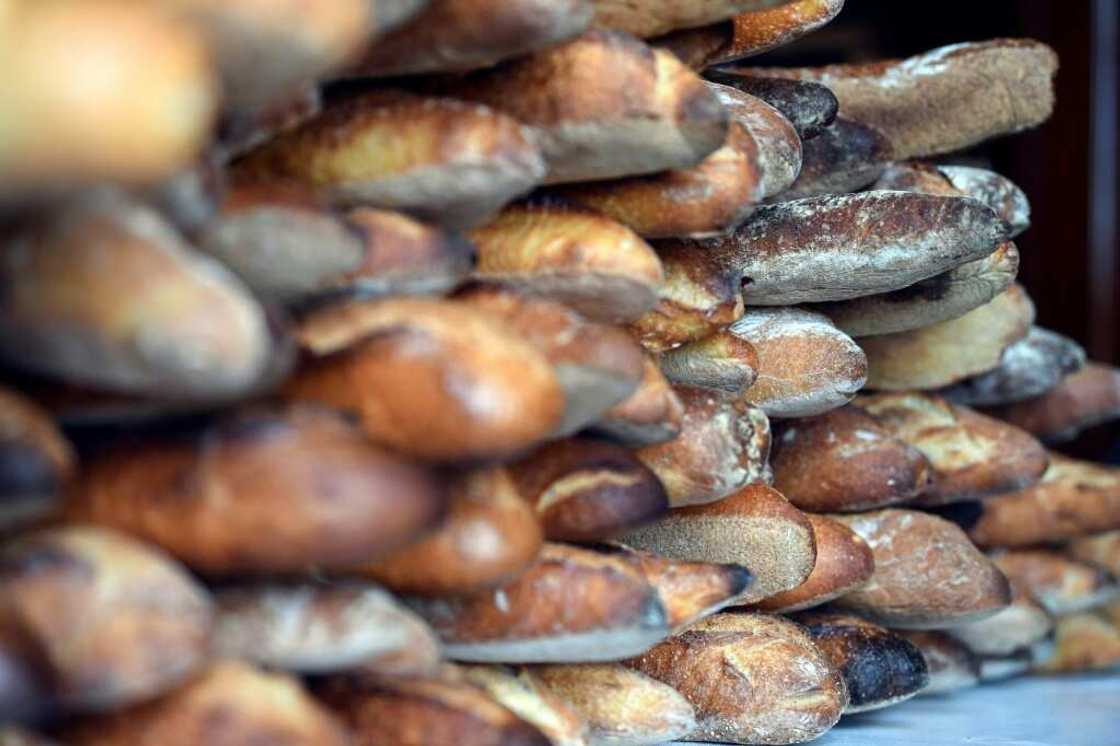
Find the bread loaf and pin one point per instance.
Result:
(587, 490)
(880, 668)
(950, 351)
(457, 35)
(1020, 626)
(166, 322)
(409, 711)
(1083, 642)
(112, 621)
(723, 445)
(621, 706)
(597, 365)
(652, 414)
(845, 157)
(285, 467)
(524, 695)
(319, 628)
(952, 666)
(809, 107)
(1030, 367)
(964, 93)
(779, 147)
(660, 16)
(580, 258)
(928, 575)
(844, 563)
(242, 131)
(463, 162)
(231, 703)
(722, 361)
(1073, 499)
(1004, 667)
(756, 528)
(1061, 584)
(845, 460)
(751, 678)
(572, 606)
(490, 535)
(805, 365)
(750, 33)
(1081, 400)
(972, 456)
(37, 463)
(414, 371)
(1100, 549)
(650, 114)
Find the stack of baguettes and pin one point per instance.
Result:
(434, 406)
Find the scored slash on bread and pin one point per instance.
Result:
(652, 414)
(1081, 400)
(519, 690)
(809, 107)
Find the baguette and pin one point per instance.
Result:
(167, 322)
(414, 372)
(723, 446)
(1030, 367)
(229, 703)
(419, 711)
(1073, 499)
(750, 33)
(242, 131)
(652, 414)
(587, 490)
(779, 147)
(1082, 400)
(317, 628)
(580, 258)
(489, 535)
(598, 366)
(284, 466)
(435, 158)
(460, 35)
(621, 706)
(805, 365)
(751, 678)
(880, 668)
(660, 16)
(112, 621)
(1022, 625)
(947, 99)
(809, 107)
(1100, 549)
(952, 666)
(972, 456)
(950, 351)
(928, 575)
(756, 528)
(723, 361)
(845, 157)
(573, 605)
(37, 463)
(844, 461)
(1082, 642)
(844, 563)
(1061, 584)
(524, 695)
(650, 114)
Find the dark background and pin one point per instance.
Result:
(1070, 257)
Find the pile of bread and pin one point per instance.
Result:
(508, 372)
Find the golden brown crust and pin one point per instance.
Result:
(756, 528)
(844, 563)
(650, 114)
(435, 379)
(572, 605)
(779, 147)
(752, 678)
(1073, 499)
(310, 490)
(459, 35)
(524, 695)
(723, 445)
(647, 19)
(115, 621)
(490, 535)
(1083, 642)
(1082, 400)
(927, 575)
(166, 322)
(587, 490)
(230, 703)
(721, 361)
(972, 456)
(451, 162)
(652, 414)
(36, 462)
(1060, 583)
(598, 267)
(845, 460)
